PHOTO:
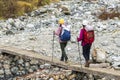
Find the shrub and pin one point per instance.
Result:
(14, 8)
(43, 2)
(105, 15)
(24, 7)
(8, 8)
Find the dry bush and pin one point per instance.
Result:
(14, 8)
(41, 2)
(24, 7)
(1, 8)
(8, 8)
(105, 15)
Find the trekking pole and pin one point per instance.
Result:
(53, 45)
(79, 55)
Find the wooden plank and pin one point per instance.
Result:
(103, 72)
(110, 74)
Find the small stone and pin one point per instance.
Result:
(42, 66)
(1, 72)
(51, 79)
(30, 70)
(14, 69)
(47, 66)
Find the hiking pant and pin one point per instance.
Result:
(86, 51)
(64, 56)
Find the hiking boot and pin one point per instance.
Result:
(87, 64)
(61, 60)
(66, 61)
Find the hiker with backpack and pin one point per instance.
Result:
(86, 37)
(63, 32)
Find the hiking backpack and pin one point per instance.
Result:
(65, 34)
(88, 36)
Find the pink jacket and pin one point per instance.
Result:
(80, 38)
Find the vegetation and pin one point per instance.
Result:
(105, 15)
(14, 8)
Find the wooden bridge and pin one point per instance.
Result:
(103, 72)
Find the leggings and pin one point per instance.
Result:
(63, 56)
(86, 51)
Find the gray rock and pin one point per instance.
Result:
(1, 72)
(10, 20)
(105, 43)
(117, 41)
(30, 70)
(33, 61)
(116, 65)
(20, 61)
(47, 65)
(2, 76)
(34, 68)
(51, 79)
(6, 66)
(9, 32)
(42, 66)
(56, 69)
(27, 64)
(7, 72)
(14, 70)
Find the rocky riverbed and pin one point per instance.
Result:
(34, 31)
(13, 67)
(16, 67)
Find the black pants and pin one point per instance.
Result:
(86, 51)
(64, 56)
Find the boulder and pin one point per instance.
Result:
(99, 55)
(65, 10)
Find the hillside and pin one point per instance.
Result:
(14, 8)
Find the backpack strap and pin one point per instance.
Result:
(61, 29)
(83, 33)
